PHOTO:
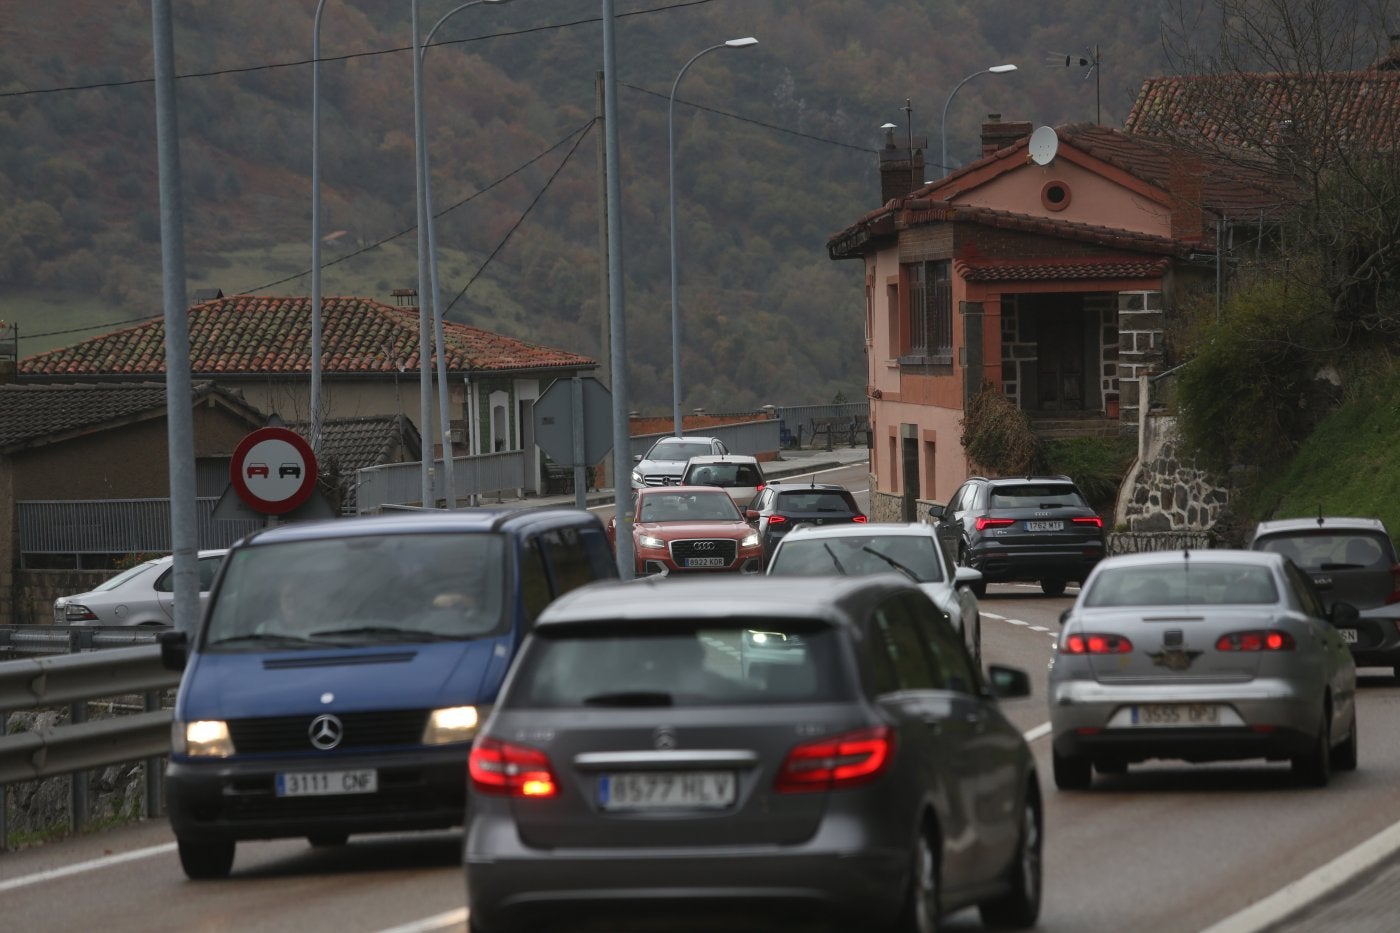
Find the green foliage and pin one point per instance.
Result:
(1245, 391)
(998, 437)
(1096, 464)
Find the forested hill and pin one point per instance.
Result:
(775, 151)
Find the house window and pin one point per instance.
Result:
(930, 312)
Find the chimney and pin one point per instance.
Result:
(1390, 61)
(998, 135)
(1184, 180)
(901, 171)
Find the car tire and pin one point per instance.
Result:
(1019, 907)
(206, 861)
(327, 840)
(1111, 766)
(1072, 773)
(1052, 587)
(1344, 755)
(922, 910)
(1314, 769)
(979, 589)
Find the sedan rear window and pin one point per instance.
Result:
(1041, 496)
(745, 663)
(1182, 584)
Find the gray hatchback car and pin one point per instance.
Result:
(813, 746)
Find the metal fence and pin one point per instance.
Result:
(473, 477)
(749, 437)
(795, 421)
(116, 526)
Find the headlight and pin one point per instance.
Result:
(452, 724)
(637, 479)
(205, 738)
(650, 541)
(750, 540)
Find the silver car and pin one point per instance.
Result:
(664, 463)
(1202, 656)
(636, 755)
(140, 595)
(911, 548)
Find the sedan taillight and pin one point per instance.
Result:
(1094, 644)
(1256, 641)
(73, 612)
(836, 762)
(984, 523)
(511, 770)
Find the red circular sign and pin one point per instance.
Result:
(273, 470)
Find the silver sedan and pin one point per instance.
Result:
(1201, 656)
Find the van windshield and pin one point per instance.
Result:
(359, 590)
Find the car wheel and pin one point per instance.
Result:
(1314, 769)
(1111, 766)
(979, 589)
(327, 840)
(922, 911)
(1344, 755)
(204, 861)
(1052, 587)
(1020, 906)
(1072, 773)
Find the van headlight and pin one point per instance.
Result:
(451, 724)
(203, 738)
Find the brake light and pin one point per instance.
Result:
(985, 523)
(511, 770)
(1088, 520)
(836, 762)
(1094, 644)
(860, 519)
(759, 489)
(1394, 596)
(777, 519)
(1256, 641)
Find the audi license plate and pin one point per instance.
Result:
(1045, 526)
(1176, 714)
(666, 790)
(704, 561)
(323, 783)
(1350, 635)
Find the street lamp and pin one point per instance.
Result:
(316, 230)
(427, 273)
(994, 70)
(671, 153)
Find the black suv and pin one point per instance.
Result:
(781, 507)
(1350, 560)
(1021, 528)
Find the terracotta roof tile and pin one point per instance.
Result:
(1005, 270)
(261, 335)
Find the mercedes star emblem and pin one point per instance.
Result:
(326, 732)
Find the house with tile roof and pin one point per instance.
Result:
(260, 345)
(64, 447)
(351, 444)
(1046, 278)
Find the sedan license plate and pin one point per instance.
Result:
(1045, 526)
(1350, 635)
(704, 561)
(666, 790)
(324, 783)
(1176, 714)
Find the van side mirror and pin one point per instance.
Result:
(174, 649)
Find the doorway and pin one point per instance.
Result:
(1064, 372)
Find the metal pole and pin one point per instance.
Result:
(179, 407)
(995, 69)
(425, 384)
(316, 230)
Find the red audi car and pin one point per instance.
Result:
(690, 529)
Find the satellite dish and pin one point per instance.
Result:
(1043, 145)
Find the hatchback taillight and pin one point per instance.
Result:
(860, 519)
(1088, 520)
(512, 770)
(777, 519)
(1093, 643)
(1394, 596)
(984, 523)
(836, 762)
(1256, 641)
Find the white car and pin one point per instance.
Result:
(140, 595)
(910, 548)
(664, 463)
(739, 475)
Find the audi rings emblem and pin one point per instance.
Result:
(704, 545)
(326, 732)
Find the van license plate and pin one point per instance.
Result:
(1350, 635)
(323, 783)
(704, 561)
(666, 790)
(1045, 526)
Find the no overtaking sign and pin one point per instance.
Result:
(273, 470)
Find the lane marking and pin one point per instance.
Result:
(1040, 731)
(442, 921)
(1017, 622)
(91, 865)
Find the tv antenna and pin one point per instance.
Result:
(1090, 62)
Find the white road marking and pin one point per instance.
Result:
(1017, 622)
(91, 865)
(450, 918)
(1039, 731)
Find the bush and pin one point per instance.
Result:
(998, 437)
(1096, 464)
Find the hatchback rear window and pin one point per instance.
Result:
(813, 500)
(740, 663)
(1334, 550)
(1042, 496)
(1182, 584)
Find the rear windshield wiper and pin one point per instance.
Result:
(630, 698)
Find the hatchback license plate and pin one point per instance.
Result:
(1045, 526)
(1176, 714)
(666, 790)
(704, 561)
(1350, 635)
(324, 783)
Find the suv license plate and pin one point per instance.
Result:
(1350, 635)
(666, 790)
(1045, 526)
(324, 783)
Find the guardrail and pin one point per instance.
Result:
(74, 680)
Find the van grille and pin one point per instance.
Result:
(362, 730)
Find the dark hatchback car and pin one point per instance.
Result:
(1350, 560)
(780, 748)
(781, 507)
(1022, 528)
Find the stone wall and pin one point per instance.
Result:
(32, 592)
(1167, 491)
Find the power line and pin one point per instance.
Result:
(735, 116)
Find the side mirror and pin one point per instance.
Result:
(963, 576)
(636, 458)
(751, 515)
(174, 649)
(1344, 615)
(1064, 617)
(935, 510)
(1008, 683)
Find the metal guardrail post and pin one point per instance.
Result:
(78, 786)
(155, 805)
(4, 795)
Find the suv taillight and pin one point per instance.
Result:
(1394, 596)
(1255, 641)
(1091, 643)
(984, 523)
(1089, 520)
(511, 770)
(836, 762)
(777, 519)
(860, 519)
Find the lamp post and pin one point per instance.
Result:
(316, 229)
(994, 70)
(671, 154)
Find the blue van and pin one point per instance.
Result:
(342, 667)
